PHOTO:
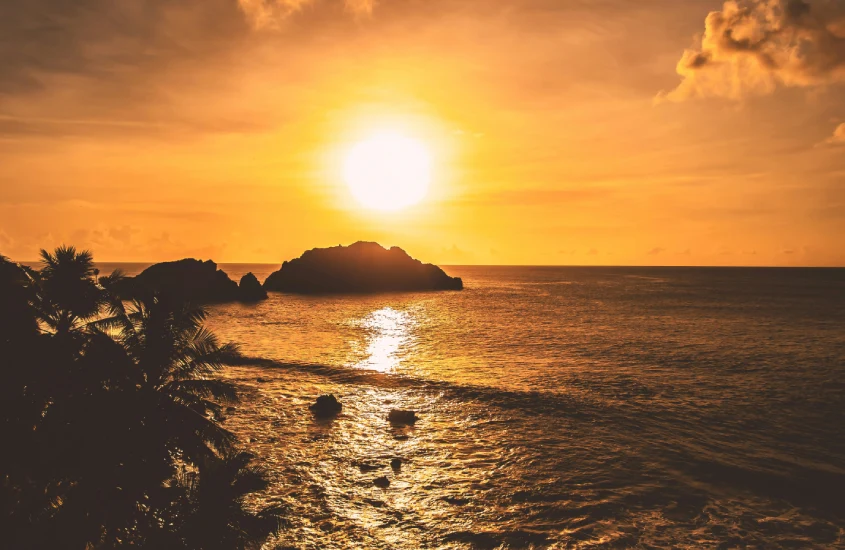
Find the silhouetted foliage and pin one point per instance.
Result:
(105, 406)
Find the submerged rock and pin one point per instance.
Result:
(404, 418)
(381, 482)
(250, 289)
(326, 406)
(185, 280)
(363, 267)
(455, 501)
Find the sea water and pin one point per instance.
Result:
(559, 407)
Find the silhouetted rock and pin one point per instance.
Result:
(406, 418)
(381, 482)
(326, 406)
(190, 280)
(455, 501)
(250, 289)
(396, 464)
(362, 267)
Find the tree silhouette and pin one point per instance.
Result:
(105, 405)
(219, 517)
(68, 292)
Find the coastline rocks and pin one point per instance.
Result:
(189, 280)
(402, 418)
(192, 281)
(250, 289)
(360, 268)
(326, 406)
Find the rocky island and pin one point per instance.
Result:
(362, 267)
(192, 280)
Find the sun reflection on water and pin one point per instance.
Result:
(387, 332)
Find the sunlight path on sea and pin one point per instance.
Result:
(387, 332)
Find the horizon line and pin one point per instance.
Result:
(721, 266)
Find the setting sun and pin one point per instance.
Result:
(388, 171)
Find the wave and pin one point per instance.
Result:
(542, 402)
(683, 445)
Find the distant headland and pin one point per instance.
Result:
(360, 268)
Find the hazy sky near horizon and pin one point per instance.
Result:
(562, 132)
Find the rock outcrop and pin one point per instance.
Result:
(326, 406)
(250, 289)
(190, 280)
(402, 418)
(363, 267)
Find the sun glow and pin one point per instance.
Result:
(388, 171)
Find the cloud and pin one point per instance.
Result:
(751, 47)
(838, 137)
(264, 14)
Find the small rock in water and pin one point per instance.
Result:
(326, 406)
(230, 409)
(381, 482)
(406, 418)
(261, 380)
(396, 463)
(327, 527)
(366, 467)
(455, 500)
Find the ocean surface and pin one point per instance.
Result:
(579, 407)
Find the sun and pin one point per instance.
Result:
(388, 171)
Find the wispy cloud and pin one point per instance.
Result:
(264, 14)
(838, 137)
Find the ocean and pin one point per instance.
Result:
(560, 407)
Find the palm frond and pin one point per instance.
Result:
(215, 389)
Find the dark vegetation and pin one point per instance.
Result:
(362, 267)
(110, 417)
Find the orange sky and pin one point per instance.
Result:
(562, 132)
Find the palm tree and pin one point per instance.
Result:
(68, 292)
(144, 401)
(173, 359)
(104, 412)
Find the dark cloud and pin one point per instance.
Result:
(89, 67)
(103, 39)
(751, 47)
